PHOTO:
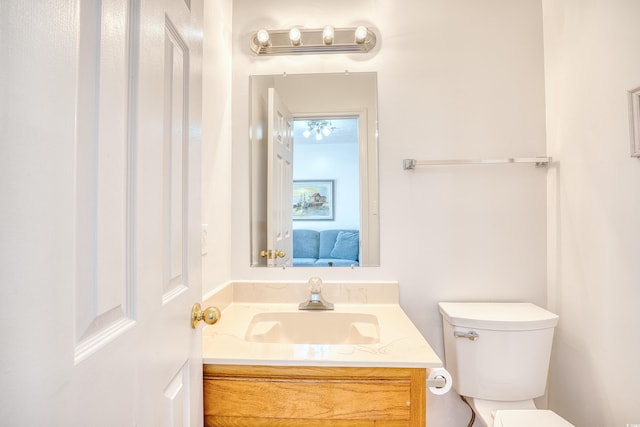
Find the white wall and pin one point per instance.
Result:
(216, 142)
(591, 57)
(338, 162)
(456, 79)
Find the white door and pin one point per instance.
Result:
(100, 182)
(279, 182)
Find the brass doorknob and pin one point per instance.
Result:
(272, 254)
(209, 315)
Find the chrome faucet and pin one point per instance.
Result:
(315, 301)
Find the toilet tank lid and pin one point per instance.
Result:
(507, 316)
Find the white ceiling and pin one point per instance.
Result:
(346, 131)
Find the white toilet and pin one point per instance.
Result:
(498, 355)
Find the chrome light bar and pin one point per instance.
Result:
(313, 41)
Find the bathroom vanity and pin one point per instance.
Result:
(268, 363)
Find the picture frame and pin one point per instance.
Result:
(634, 121)
(313, 200)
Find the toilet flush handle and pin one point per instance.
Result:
(471, 335)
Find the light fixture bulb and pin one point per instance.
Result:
(327, 34)
(361, 34)
(318, 135)
(326, 131)
(263, 37)
(306, 133)
(294, 36)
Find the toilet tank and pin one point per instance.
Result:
(497, 351)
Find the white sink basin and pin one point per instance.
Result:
(314, 327)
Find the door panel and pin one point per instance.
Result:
(177, 399)
(103, 287)
(176, 145)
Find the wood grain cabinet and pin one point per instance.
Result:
(313, 396)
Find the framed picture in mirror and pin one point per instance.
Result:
(313, 200)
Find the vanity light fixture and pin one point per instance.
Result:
(299, 40)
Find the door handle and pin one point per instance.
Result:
(209, 315)
(272, 254)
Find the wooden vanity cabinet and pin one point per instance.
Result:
(313, 396)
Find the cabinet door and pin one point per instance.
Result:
(313, 396)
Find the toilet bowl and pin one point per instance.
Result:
(498, 355)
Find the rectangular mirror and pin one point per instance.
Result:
(314, 170)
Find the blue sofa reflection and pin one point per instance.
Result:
(326, 248)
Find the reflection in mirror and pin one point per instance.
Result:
(314, 170)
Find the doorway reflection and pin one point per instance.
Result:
(326, 193)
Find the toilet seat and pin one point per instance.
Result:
(529, 418)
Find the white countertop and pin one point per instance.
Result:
(400, 346)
